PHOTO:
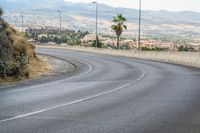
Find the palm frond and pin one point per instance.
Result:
(118, 25)
(125, 27)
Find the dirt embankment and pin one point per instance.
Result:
(18, 59)
(37, 67)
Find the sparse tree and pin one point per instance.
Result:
(119, 26)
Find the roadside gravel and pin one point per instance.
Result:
(53, 67)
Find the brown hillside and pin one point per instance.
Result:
(17, 56)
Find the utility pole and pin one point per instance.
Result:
(139, 30)
(22, 17)
(95, 2)
(59, 11)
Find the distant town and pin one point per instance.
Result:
(80, 30)
(53, 36)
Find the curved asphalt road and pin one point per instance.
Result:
(105, 95)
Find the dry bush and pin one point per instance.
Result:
(19, 45)
(16, 48)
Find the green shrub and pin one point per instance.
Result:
(183, 48)
(99, 44)
(152, 49)
(4, 69)
(125, 47)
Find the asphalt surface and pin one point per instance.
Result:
(105, 94)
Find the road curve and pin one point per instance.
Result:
(106, 94)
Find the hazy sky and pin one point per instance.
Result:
(172, 5)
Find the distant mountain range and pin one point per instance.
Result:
(150, 18)
(87, 9)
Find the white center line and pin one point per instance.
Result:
(75, 102)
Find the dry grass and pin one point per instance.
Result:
(39, 66)
(22, 46)
(19, 44)
(8, 80)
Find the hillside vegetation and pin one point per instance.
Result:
(17, 57)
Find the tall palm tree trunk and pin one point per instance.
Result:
(117, 42)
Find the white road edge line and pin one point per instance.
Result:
(59, 81)
(75, 102)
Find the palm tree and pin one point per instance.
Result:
(119, 26)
